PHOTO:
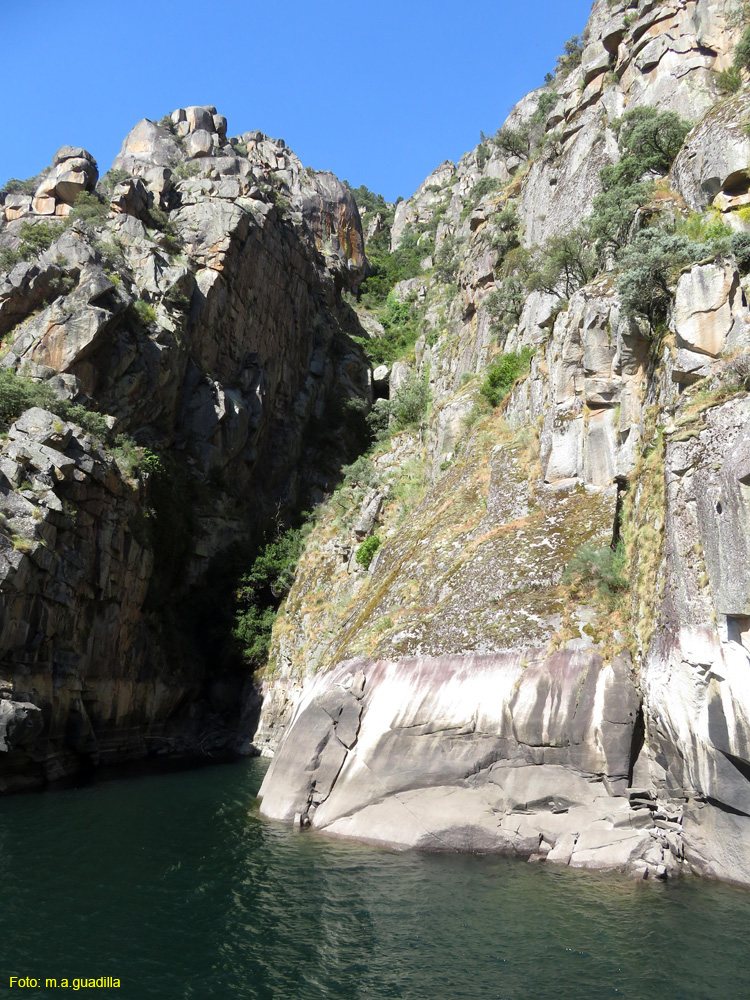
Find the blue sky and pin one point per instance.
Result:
(380, 94)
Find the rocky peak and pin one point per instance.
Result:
(189, 308)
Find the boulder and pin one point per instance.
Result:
(708, 301)
(73, 153)
(20, 724)
(16, 206)
(199, 119)
(714, 159)
(199, 143)
(147, 145)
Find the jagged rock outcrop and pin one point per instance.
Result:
(712, 166)
(201, 318)
(73, 172)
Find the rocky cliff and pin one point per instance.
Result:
(485, 683)
(181, 331)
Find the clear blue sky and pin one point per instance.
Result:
(378, 93)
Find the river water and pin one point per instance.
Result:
(174, 885)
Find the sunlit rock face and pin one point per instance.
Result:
(399, 707)
(519, 752)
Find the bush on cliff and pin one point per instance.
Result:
(447, 260)
(502, 376)
(600, 569)
(505, 302)
(650, 266)
(571, 55)
(561, 265)
(742, 52)
(410, 402)
(262, 589)
(90, 209)
(513, 141)
(649, 140)
(28, 186)
(390, 268)
(366, 551)
(18, 394)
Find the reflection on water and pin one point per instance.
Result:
(174, 885)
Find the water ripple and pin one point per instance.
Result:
(177, 887)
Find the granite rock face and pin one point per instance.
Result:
(696, 675)
(213, 339)
(519, 752)
(712, 166)
(464, 622)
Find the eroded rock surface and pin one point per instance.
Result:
(519, 752)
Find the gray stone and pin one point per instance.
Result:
(707, 302)
(715, 156)
(427, 770)
(200, 143)
(199, 119)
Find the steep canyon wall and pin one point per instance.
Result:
(463, 692)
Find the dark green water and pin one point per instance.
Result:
(175, 886)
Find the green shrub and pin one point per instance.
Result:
(410, 402)
(739, 244)
(390, 268)
(89, 209)
(599, 571)
(366, 199)
(361, 472)
(615, 208)
(9, 259)
(366, 551)
(649, 140)
(483, 187)
(112, 178)
(562, 265)
(742, 52)
(447, 260)
(400, 323)
(501, 377)
(111, 251)
(513, 141)
(729, 80)
(18, 394)
(571, 56)
(27, 186)
(505, 302)
(190, 168)
(544, 105)
(504, 231)
(252, 631)
(145, 312)
(36, 238)
(650, 266)
(263, 587)
(705, 227)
